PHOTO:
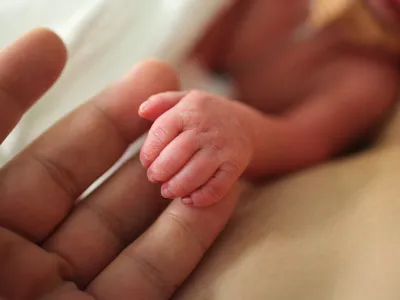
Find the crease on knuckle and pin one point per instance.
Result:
(189, 231)
(102, 113)
(215, 145)
(110, 222)
(150, 273)
(211, 138)
(230, 170)
(192, 111)
(190, 118)
(212, 191)
(159, 134)
(60, 175)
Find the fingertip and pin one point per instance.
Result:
(151, 176)
(51, 43)
(148, 109)
(47, 36)
(159, 69)
(39, 54)
(166, 191)
(187, 201)
(144, 160)
(142, 110)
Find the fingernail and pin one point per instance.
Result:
(165, 192)
(151, 176)
(152, 179)
(143, 106)
(187, 201)
(144, 161)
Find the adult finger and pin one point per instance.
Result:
(27, 272)
(160, 260)
(102, 225)
(28, 68)
(39, 187)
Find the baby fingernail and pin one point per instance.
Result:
(144, 161)
(165, 192)
(187, 201)
(152, 179)
(143, 106)
(151, 176)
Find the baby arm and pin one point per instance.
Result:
(200, 144)
(358, 95)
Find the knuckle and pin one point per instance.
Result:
(189, 231)
(62, 176)
(213, 191)
(231, 170)
(207, 128)
(150, 272)
(198, 96)
(198, 99)
(211, 139)
(192, 111)
(110, 222)
(159, 133)
(216, 145)
(159, 171)
(191, 118)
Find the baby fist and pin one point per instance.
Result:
(197, 147)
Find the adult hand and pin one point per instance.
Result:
(111, 245)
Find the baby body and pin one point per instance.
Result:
(297, 102)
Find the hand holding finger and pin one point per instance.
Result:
(156, 264)
(93, 138)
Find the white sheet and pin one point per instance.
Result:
(105, 38)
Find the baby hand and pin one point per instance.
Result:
(197, 147)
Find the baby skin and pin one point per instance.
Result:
(296, 107)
